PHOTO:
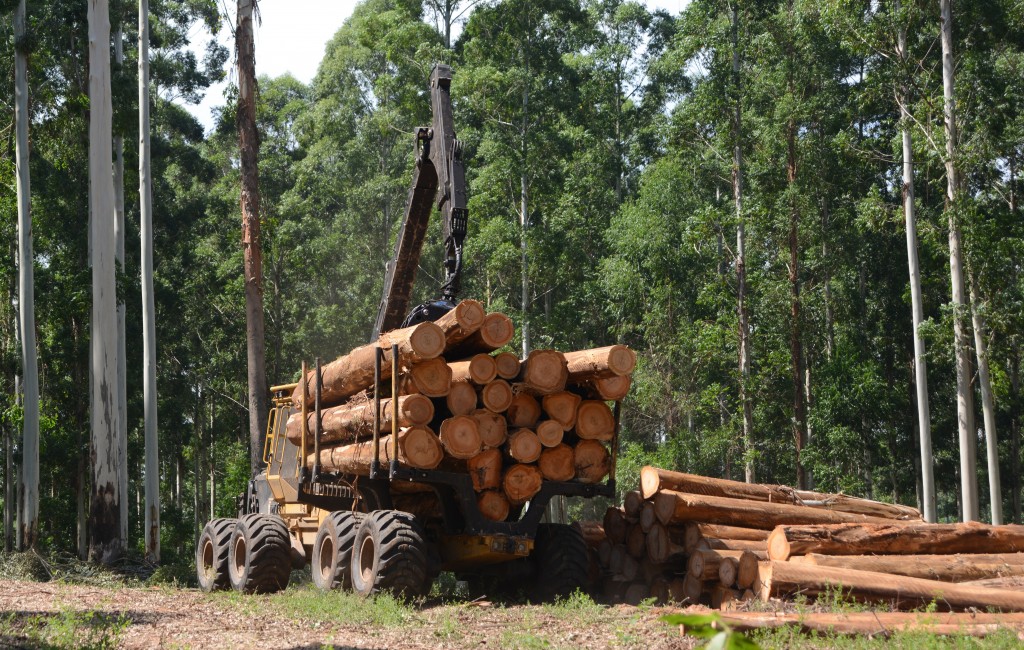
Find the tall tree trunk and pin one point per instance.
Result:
(524, 218)
(917, 307)
(105, 542)
(741, 258)
(1015, 430)
(122, 394)
(961, 308)
(795, 335)
(29, 520)
(988, 406)
(248, 140)
(149, 396)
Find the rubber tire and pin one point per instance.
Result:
(389, 554)
(560, 562)
(336, 534)
(212, 555)
(260, 555)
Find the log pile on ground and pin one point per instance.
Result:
(510, 423)
(691, 539)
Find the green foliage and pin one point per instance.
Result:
(711, 626)
(67, 628)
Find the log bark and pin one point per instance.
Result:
(561, 407)
(784, 578)
(461, 399)
(492, 427)
(664, 543)
(521, 483)
(493, 505)
(704, 564)
(877, 623)
(480, 369)
(556, 463)
(524, 446)
(615, 525)
(353, 372)
(507, 365)
(418, 447)
(636, 541)
(945, 568)
(698, 531)
(860, 539)
(496, 396)
(611, 361)
(677, 507)
(524, 411)
(612, 389)
(544, 372)
(461, 322)
(346, 422)
(460, 437)
(710, 543)
(432, 378)
(494, 332)
(595, 421)
(592, 461)
(485, 470)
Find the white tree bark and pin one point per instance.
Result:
(988, 406)
(152, 479)
(917, 308)
(965, 397)
(106, 544)
(28, 522)
(524, 222)
(122, 396)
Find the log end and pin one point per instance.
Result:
(493, 505)
(650, 481)
(595, 421)
(496, 330)
(550, 433)
(461, 437)
(420, 447)
(778, 545)
(592, 461)
(507, 365)
(426, 340)
(665, 507)
(556, 463)
(496, 396)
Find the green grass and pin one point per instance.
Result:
(577, 607)
(310, 604)
(792, 638)
(67, 628)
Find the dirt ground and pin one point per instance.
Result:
(34, 614)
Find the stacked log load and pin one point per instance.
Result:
(510, 423)
(691, 539)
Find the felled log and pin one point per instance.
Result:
(659, 590)
(418, 447)
(945, 568)
(612, 389)
(604, 552)
(461, 322)
(485, 470)
(550, 433)
(494, 332)
(544, 372)
(1013, 583)
(460, 437)
(693, 587)
(728, 568)
(663, 543)
(492, 427)
(905, 539)
(524, 446)
(710, 543)
(677, 589)
(721, 596)
(615, 525)
(461, 399)
(353, 372)
(617, 559)
(521, 482)
(595, 421)
(496, 396)
(432, 378)
(696, 531)
(556, 463)
(592, 461)
(561, 407)
(507, 365)
(784, 578)
(524, 411)
(591, 531)
(704, 564)
(647, 516)
(636, 593)
(653, 479)
(614, 360)
(479, 369)
(680, 507)
(636, 541)
(346, 422)
(632, 502)
(493, 505)
(878, 623)
(746, 570)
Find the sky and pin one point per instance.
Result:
(293, 37)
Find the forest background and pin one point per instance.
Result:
(616, 158)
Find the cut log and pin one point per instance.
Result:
(710, 543)
(461, 399)
(556, 463)
(722, 596)
(636, 541)
(653, 479)
(630, 567)
(592, 532)
(615, 525)
(521, 483)
(485, 470)
(610, 361)
(418, 447)
(346, 422)
(1013, 583)
(664, 544)
(492, 427)
(677, 590)
(746, 571)
(632, 502)
(612, 389)
(650, 571)
(460, 437)
(353, 372)
(704, 564)
(496, 396)
(693, 587)
(945, 568)
(461, 322)
(561, 407)
(636, 593)
(679, 507)
(494, 332)
(785, 578)
(493, 505)
(659, 590)
(595, 421)
(592, 461)
(860, 539)
(480, 370)
(728, 568)
(524, 446)
(550, 433)
(544, 372)
(697, 531)
(432, 378)
(618, 559)
(524, 411)
(878, 624)
(604, 552)
(507, 365)
(647, 516)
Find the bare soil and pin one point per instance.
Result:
(165, 617)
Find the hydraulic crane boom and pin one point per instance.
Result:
(439, 179)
